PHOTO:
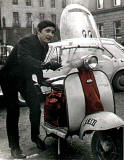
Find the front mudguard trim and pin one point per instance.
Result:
(100, 121)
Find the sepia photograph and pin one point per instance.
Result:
(62, 79)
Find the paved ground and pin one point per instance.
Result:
(73, 150)
(29, 148)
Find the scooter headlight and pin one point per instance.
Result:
(87, 62)
(90, 62)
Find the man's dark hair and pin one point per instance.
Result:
(44, 24)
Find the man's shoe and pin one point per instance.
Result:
(39, 143)
(17, 153)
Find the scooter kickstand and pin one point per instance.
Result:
(59, 147)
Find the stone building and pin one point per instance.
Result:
(109, 16)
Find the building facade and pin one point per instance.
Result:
(20, 17)
(109, 16)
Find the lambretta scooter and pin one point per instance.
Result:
(82, 103)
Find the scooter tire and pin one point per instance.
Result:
(116, 152)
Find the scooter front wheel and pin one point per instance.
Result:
(107, 145)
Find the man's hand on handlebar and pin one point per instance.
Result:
(52, 64)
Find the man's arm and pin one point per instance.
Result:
(24, 55)
(25, 58)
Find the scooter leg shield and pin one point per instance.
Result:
(100, 121)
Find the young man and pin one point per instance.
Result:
(26, 58)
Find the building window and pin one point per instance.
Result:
(53, 18)
(100, 27)
(117, 2)
(4, 21)
(63, 3)
(15, 19)
(41, 3)
(99, 4)
(117, 29)
(29, 19)
(41, 16)
(52, 3)
(15, 2)
(28, 2)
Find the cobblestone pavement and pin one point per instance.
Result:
(73, 150)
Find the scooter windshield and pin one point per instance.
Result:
(77, 22)
(74, 54)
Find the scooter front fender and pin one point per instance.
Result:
(100, 121)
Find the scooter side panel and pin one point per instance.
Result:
(105, 91)
(75, 101)
(100, 121)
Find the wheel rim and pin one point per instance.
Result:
(118, 81)
(121, 80)
(110, 153)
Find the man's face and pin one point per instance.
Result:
(46, 34)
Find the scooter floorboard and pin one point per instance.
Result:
(58, 131)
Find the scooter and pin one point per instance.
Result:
(81, 103)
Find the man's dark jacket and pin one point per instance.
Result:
(25, 59)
